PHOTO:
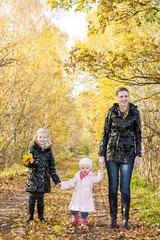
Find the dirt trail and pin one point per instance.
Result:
(13, 200)
(9, 209)
(13, 205)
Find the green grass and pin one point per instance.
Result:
(13, 170)
(146, 200)
(71, 171)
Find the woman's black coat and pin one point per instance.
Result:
(40, 170)
(121, 138)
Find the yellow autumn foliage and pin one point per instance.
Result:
(26, 158)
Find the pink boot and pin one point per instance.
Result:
(83, 223)
(75, 219)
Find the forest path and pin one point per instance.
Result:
(14, 212)
(14, 199)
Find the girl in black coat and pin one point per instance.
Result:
(41, 166)
(120, 151)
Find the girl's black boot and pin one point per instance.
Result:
(40, 209)
(31, 213)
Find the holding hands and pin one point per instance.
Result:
(102, 162)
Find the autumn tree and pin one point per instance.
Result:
(34, 92)
(148, 102)
(135, 60)
(122, 48)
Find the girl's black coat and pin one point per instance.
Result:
(121, 138)
(40, 170)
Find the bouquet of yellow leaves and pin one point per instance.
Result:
(26, 159)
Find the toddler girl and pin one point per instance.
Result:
(41, 166)
(82, 199)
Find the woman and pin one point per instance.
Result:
(120, 150)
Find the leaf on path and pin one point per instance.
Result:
(58, 228)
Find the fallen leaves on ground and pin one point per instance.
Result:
(58, 217)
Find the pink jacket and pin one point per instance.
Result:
(82, 199)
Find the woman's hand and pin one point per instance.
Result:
(102, 168)
(31, 160)
(136, 162)
(102, 162)
(59, 184)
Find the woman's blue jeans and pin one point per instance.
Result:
(125, 169)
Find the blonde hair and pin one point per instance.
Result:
(39, 131)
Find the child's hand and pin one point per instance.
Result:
(102, 168)
(27, 158)
(31, 160)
